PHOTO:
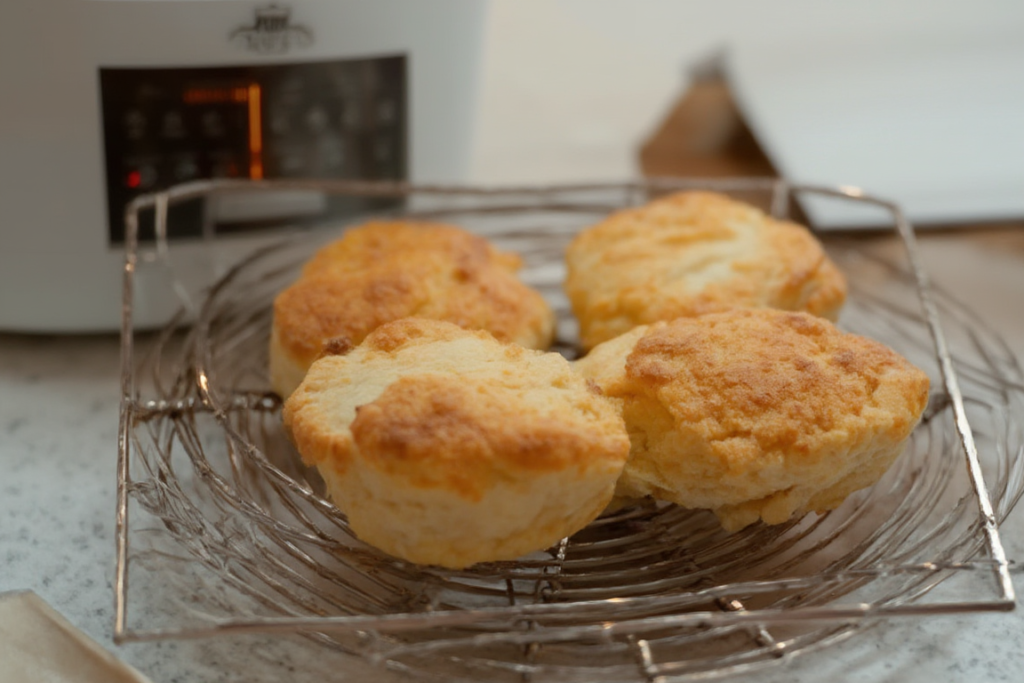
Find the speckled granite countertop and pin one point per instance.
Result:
(58, 426)
(560, 101)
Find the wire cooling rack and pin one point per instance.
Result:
(221, 530)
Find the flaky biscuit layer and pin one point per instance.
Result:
(757, 413)
(444, 446)
(381, 272)
(693, 253)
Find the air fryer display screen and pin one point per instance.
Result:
(338, 119)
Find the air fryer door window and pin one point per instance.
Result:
(337, 119)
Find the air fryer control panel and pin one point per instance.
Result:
(163, 126)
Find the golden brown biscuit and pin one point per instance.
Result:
(693, 253)
(756, 413)
(380, 272)
(444, 446)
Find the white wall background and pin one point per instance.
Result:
(571, 87)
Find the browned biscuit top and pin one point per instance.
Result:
(437, 431)
(385, 271)
(757, 381)
(432, 405)
(756, 413)
(372, 243)
(693, 253)
(445, 446)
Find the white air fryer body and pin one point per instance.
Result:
(106, 99)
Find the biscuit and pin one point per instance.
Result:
(383, 271)
(693, 253)
(444, 446)
(756, 413)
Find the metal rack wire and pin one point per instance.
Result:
(239, 538)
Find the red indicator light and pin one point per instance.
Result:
(133, 180)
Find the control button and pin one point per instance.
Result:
(173, 125)
(279, 122)
(186, 169)
(350, 117)
(316, 120)
(213, 124)
(141, 178)
(289, 159)
(292, 163)
(149, 176)
(386, 112)
(383, 150)
(135, 125)
(332, 152)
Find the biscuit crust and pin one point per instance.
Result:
(444, 446)
(385, 271)
(693, 253)
(757, 413)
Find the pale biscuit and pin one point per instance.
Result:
(385, 271)
(756, 413)
(693, 253)
(444, 446)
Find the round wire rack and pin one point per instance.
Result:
(231, 534)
